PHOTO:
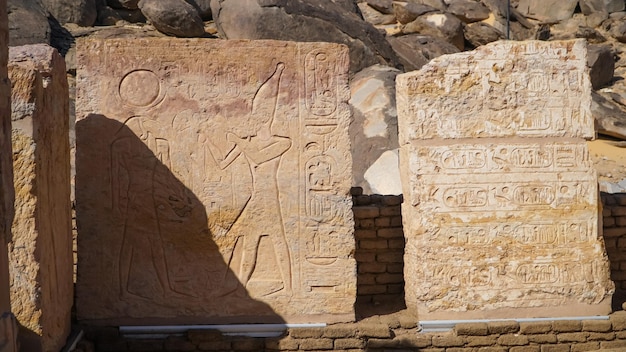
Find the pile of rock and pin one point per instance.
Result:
(405, 34)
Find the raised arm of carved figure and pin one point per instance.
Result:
(223, 161)
(261, 151)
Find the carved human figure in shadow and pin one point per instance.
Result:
(261, 216)
(145, 194)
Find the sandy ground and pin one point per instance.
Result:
(609, 158)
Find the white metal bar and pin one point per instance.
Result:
(447, 325)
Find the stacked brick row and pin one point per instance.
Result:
(398, 333)
(511, 336)
(379, 247)
(614, 224)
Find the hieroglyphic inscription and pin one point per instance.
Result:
(323, 161)
(227, 188)
(489, 158)
(492, 193)
(320, 84)
(520, 93)
(500, 220)
(484, 275)
(320, 204)
(531, 233)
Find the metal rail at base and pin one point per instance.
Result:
(250, 330)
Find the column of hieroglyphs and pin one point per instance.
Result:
(8, 327)
(40, 254)
(212, 182)
(501, 202)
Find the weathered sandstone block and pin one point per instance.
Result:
(213, 190)
(40, 253)
(501, 200)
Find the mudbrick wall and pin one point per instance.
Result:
(379, 248)
(379, 253)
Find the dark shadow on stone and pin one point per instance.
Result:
(146, 253)
(615, 258)
(28, 340)
(60, 38)
(619, 297)
(366, 308)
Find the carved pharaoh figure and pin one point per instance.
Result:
(261, 216)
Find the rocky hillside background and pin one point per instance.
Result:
(385, 38)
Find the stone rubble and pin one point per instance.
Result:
(374, 130)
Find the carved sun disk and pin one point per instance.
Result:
(140, 88)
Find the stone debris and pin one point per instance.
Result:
(305, 21)
(28, 23)
(374, 130)
(82, 12)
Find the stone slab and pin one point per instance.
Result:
(501, 221)
(529, 89)
(213, 182)
(6, 160)
(42, 286)
(506, 225)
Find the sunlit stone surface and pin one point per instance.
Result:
(500, 198)
(213, 182)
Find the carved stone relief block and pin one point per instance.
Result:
(529, 89)
(500, 198)
(213, 182)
